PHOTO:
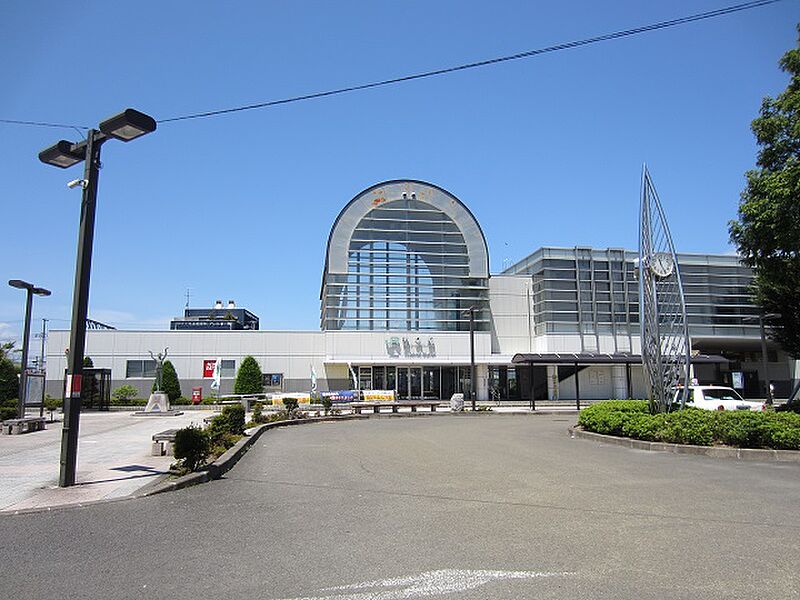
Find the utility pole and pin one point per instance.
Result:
(42, 365)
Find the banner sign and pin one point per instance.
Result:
(340, 396)
(208, 368)
(379, 395)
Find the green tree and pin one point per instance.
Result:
(9, 383)
(87, 362)
(249, 379)
(767, 232)
(169, 382)
(7, 349)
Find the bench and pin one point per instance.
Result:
(24, 425)
(395, 406)
(164, 443)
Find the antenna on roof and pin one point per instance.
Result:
(188, 296)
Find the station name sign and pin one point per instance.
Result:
(411, 347)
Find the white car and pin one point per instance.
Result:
(713, 397)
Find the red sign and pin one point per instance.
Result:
(197, 395)
(208, 368)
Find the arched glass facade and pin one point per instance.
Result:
(405, 256)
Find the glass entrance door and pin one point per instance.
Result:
(402, 383)
(409, 383)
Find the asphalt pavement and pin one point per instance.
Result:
(482, 506)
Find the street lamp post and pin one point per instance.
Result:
(126, 126)
(471, 311)
(26, 336)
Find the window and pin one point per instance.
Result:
(228, 368)
(272, 380)
(140, 368)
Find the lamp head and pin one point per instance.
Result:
(19, 284)
(128, 125)
(63, 154)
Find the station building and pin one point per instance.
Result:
(406, 277)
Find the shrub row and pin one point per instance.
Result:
(744, 429)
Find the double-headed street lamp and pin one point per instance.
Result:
(126, 126)
(26, 335)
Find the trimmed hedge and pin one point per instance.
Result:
(743, 429)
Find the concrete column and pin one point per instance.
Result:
(482, 384)
(619, 381)
(552, 382)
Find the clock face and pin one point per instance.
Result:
(662, 265)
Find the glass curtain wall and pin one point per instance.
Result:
(407, 270)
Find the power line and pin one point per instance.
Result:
(444, 71)
(40, 124)
(492, 61)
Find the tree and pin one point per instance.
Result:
(767, 233)
(249, 379)
(9, 383)
(169, 382)
(7, 349)
(87, 362)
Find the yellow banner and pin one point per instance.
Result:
(378, 395)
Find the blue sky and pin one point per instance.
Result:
(544, 151)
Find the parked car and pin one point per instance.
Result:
(714, 397)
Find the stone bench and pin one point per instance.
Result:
(24, 425)
(395, 406)
(164, 443)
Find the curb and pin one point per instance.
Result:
(729, 452)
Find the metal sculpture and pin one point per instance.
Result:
(666, 350)
(159, 360)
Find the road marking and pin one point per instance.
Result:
(427, 584)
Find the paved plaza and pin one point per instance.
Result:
(489, 506)
(113, 460)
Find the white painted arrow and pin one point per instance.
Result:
(427, 584)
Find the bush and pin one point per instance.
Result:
(610, 417)
(226, 429)
(643, 426)
(52, 404)
(258, 416)
(327, 403)
(124, 393)
(743, 429)
(689, 426)
(234, 415)
(181, 401)
(131, 402)
(8, 409)
(191, 447)
(290, 404)
(249, 379)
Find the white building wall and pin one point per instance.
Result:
(290, 353)
(511, 314)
